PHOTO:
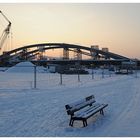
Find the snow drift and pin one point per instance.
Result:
(22, 67)
(25, 67)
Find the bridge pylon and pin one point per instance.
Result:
(94, 54)
(77, 54)
(65, 53)
(41, 53)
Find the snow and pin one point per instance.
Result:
(25, 67)
(22, 67)
(26, 111)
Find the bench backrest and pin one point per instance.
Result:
(73, 107)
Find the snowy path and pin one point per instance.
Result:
(41, 112)
(126, 113)
(127, 122)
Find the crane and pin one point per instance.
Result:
(6, 31)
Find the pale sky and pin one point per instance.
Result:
(116, 26)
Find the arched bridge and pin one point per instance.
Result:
(30, 51)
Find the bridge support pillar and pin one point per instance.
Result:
(23, 54)
(105, 56)
(94, 54)
(41, 53)
(65, 53)
(77, 54)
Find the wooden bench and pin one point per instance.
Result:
(84, 109)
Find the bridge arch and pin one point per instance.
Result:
(47, 46)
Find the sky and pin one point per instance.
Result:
(116, 26)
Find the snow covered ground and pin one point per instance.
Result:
(26, 111)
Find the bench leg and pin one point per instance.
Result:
(71, 122)
(84, 123)
(102, 112)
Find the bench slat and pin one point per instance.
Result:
(84, 104)
(86, 110)
(76, 106)
(89, 111)
(94, 111)
(80, 102)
